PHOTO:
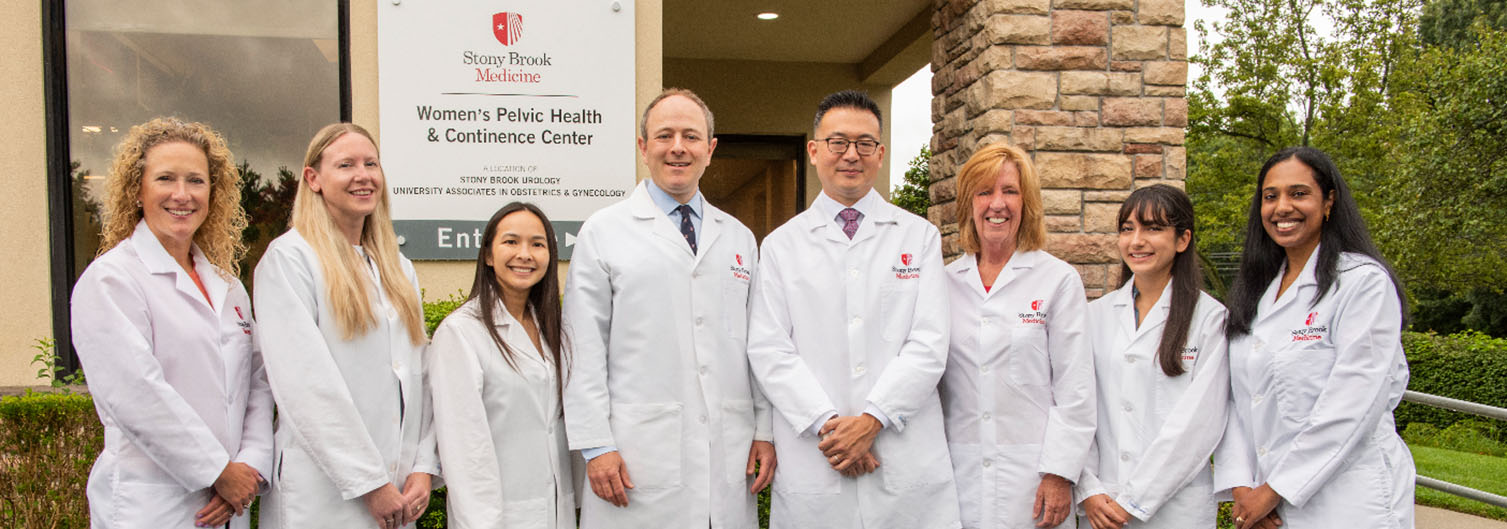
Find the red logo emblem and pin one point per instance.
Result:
(1309, 321)
(238, 313)
(905, 259)
(739, 257)
(507, 27)
(1036, 305)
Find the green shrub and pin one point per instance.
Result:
(47, 445)
(435, 311)
(1467, 366)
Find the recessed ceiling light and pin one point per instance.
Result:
(768, 16)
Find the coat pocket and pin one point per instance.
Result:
(1030, 363)
(737, 437)
(897, 300)
(648, 436)
(734, 307)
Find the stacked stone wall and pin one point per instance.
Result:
(1094, 89)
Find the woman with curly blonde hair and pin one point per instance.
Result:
(164, 330)
(345, 351)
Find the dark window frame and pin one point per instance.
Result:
(60, 189)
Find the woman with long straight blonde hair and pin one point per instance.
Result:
(343, 337)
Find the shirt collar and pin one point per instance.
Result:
(829, 207)
(667, 203)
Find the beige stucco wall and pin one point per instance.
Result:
(26, 313)
(766, 97)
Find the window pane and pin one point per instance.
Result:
(263, 74)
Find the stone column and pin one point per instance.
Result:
(1094, 89)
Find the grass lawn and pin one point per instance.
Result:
(1476, 471)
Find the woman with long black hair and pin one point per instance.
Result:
(494, 370)
(1316, 361)
(1162, 375)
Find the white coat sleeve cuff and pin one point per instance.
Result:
(1131, 507)
(815, 430)
(884, 420)
(592, 453)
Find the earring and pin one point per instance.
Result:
(138, 204)
(1326, 216)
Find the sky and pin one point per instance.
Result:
(910, 103)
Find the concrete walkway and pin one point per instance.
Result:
(1436, 518)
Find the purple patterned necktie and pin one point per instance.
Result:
(849, 218)
(686, 228)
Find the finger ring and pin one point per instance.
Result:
(1239, 519)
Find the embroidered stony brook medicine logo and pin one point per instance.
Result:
(1309, 331)
(507, 27)
(905, 270)
(243, 324)
(739, 272)
(1190, 353)
(1037, 315)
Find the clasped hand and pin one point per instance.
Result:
(846, 442)
(233, 492)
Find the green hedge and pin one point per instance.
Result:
(47, 444)
(1467, 366)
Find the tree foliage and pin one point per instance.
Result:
(1442, 220)
(912, 195)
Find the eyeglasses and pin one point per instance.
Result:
(840, 146)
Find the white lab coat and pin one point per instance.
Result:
(1155, 432)
(353, 415)
(1019, 387)
(177, 383)
(500, 432)
(659, 368)
(840, 325)
(1313, 387)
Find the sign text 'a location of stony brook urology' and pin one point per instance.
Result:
(485, 103)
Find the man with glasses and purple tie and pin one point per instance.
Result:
(848, 338)
(659, 398)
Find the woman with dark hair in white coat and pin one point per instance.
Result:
(163, 329)
(1316, 361)
(494, 371)
(1162, 374)
(1018, 393)
(343, 337)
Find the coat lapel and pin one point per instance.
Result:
(157, 261)
(657, 221)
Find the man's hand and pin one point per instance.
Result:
(1104, 513)
(846, 440)
(237, 485)
(1054, 497)
(416, 495)
(385, 504)
(868, 463)
(609, 477)
(760, 455)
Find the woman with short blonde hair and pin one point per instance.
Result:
(1018, 393)
(345, 350)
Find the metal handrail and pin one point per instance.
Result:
(1447, 403)
(1466, 406)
